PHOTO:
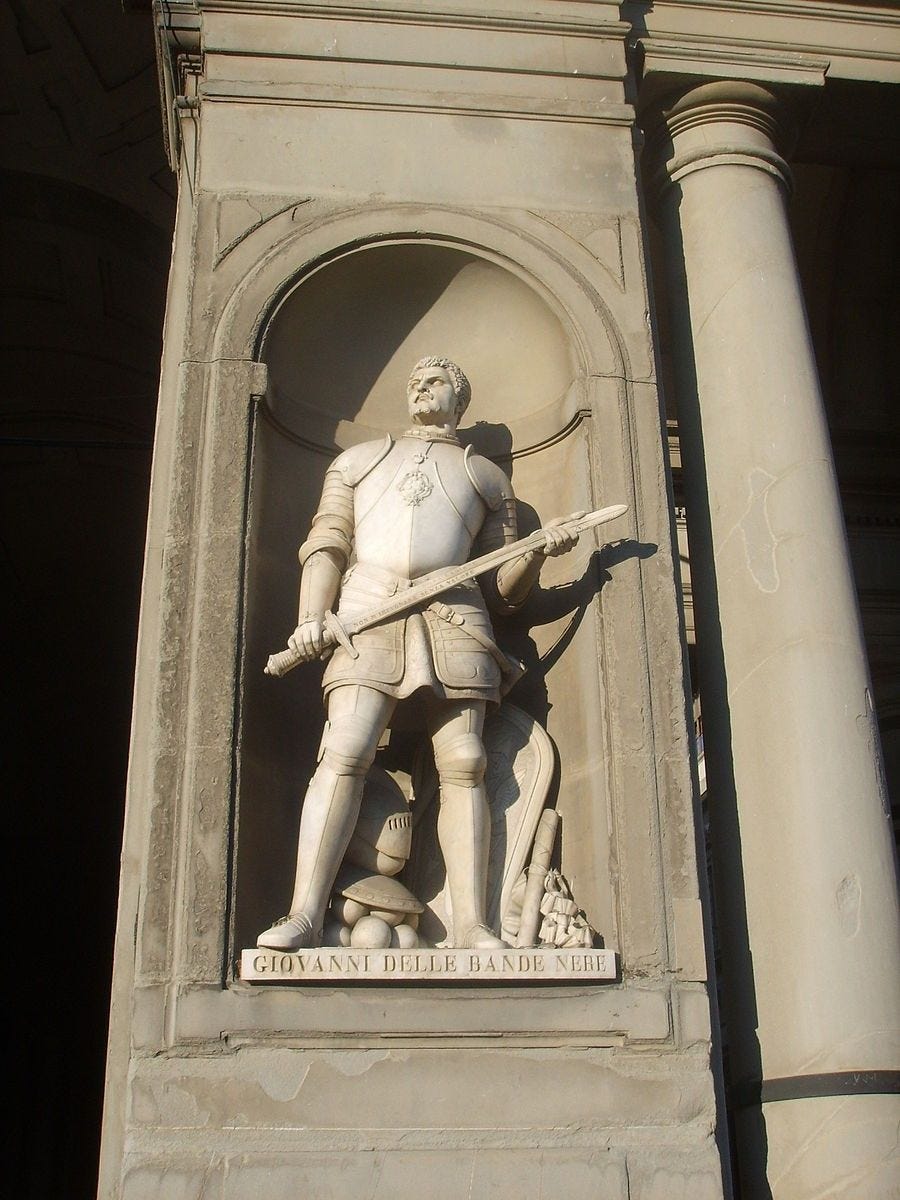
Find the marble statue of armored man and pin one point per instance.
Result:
(392, 511)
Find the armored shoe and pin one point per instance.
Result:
(293, 932)
(480, 937)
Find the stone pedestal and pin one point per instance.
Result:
(805, 874)
(360, 187)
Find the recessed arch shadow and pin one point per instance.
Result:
(340, 343)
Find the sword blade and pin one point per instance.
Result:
(426, 587)
(437, 582)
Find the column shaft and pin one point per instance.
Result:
(805, 874)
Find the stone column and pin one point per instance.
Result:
(805, 879)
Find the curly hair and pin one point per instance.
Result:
(461, 385)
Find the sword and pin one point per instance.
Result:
(436, 582)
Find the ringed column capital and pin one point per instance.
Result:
(725, 123)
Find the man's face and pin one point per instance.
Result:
(431, 398)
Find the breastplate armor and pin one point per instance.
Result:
(417, 510)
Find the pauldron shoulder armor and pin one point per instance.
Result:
(356, 463)
(489, 481)
(332, 527)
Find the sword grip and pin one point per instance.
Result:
(285, 660)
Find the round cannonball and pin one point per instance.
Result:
(347, 911)
(370, 933)
(389, 918)
(404, 937)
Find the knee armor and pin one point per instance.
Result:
(349, 745)
(462, 760)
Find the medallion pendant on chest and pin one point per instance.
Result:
(415, 486)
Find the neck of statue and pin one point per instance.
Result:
(433, 433)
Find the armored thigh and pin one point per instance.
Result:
(380, 650)
(461, 660)
(357, 717)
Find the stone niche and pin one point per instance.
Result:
(338, 347)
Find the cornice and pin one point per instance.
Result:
(494, 105)
(713, 58)
(544, 16)
(177, 35)
(858, 42)
(412, 56)
(819, 10)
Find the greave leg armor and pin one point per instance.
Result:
(464, 821)
(330, 813)
(357, 717)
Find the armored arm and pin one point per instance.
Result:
(507, 589)
(325, 553)
(515, 579)
(323, 558)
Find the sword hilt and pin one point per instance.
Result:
(279, 664)
(335, 634)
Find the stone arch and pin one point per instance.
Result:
(281, 252)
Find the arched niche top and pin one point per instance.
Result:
(340, 345)
(285, 253)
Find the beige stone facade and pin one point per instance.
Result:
(641, 228)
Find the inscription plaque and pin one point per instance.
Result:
(327, 965)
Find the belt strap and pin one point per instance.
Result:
(511, 667)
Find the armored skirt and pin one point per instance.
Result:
(443, 647)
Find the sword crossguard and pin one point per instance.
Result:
(339, 634)
(335, 635)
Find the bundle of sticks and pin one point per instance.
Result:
(548, 895)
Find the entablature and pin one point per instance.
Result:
(854, 41)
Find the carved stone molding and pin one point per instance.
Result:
(729, 122)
